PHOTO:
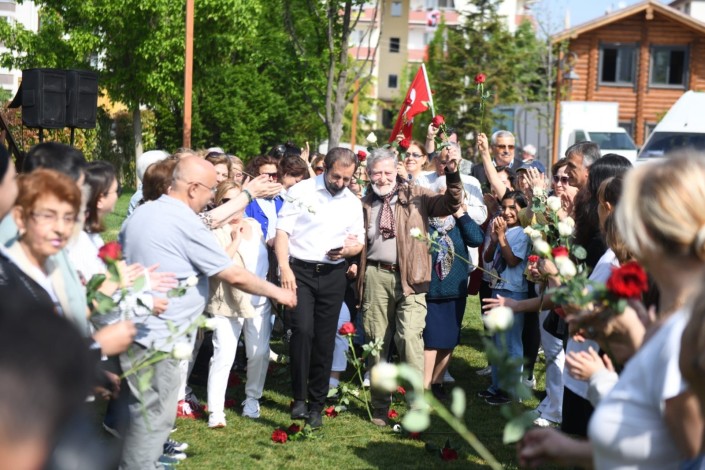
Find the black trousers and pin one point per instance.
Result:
(319, 290)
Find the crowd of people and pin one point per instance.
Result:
(329, 239)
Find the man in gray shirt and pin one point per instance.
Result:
(169, 232)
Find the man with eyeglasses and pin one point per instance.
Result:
(170, 233)
(502, 148)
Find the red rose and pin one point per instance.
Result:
(415, 435)
(629, 281)
(279, 436)
(480, 78)
(392, 414)
(559, 251)
(448, 453)
(348, 329)
(111, 251)
(438, 120)
(361, 155)
(330, 412)
(400, 390)
(405, 143)
(533, 258)
(293, 429)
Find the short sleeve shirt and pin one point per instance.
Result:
(168, 232)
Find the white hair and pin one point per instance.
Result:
(148, 158)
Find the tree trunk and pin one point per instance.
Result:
(137, 134)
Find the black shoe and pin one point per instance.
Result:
(498, 400)
(299, 410)
(439, 392)
(380, 417)
(486, 394)
(314, 419)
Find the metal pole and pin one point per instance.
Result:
(73, 132)
(188, 74)
(353, 127)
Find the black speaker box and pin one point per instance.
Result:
(82, 102)
(44, 98)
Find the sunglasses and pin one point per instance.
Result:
(560, 179)
(504, 147)
(318, 170)
(413, 155)
(271, 175)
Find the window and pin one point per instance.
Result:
(392, 81)
(627, 126)
(669, 66)
(580, 136)
(393, 44)
(388, 118)
(396, 8)
(617, 64)
(648, 129)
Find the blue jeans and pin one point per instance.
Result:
(510, 339)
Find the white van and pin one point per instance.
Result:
(682, 128)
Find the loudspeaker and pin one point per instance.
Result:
(82, 102)
(44, 98)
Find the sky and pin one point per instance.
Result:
(552, 12)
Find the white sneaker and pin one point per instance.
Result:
(216, 420)
(250, 408)
(530, 383)
(447, 378)
(486, 371)
(366, 380)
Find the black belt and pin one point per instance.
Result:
(386, 266)
(316, 267)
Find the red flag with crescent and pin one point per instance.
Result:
(418, 99)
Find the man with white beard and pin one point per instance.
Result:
(395, 268)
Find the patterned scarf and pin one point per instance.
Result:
(446, 250)
(387, 225)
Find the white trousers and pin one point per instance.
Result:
(551, 406)
(186, 366)
(226, 334)
(340, 360)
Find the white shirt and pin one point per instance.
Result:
(602, 272)
(628, 430)
(318, 222)
(83, 253)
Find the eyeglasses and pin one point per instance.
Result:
(318, 170)
(504, 147)
(237, 175)
(414, 155)
(50, 218)
(274, 176)
(212, 190)
(560, 179)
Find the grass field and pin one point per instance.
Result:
(348, 440)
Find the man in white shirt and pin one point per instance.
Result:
(318, 227)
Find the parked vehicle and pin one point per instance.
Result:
(682, 128)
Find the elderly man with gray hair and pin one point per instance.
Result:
(395, 268)
(502, 147)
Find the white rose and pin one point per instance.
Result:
(564, 229)
(554, 203)
(182, 351)
(569, 221)
(566, 268)
(209, 324)
(371, 138)
(538, 191)
(541, 247)
(191, 281)
(499, 319)
(383, 377)
(415, 232)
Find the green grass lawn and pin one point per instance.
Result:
(348, 440)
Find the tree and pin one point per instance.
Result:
(323, 29)
(513, 64)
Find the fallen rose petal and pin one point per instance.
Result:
(279, 436)
(293, 429)
(330, 412)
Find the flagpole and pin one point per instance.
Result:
(428, 88)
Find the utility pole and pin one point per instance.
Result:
(188, 74)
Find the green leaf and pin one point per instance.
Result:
(332, 392)
(144, 381)
(459, 403)
(139, 284)
(416, 421)
(95, 282)
(513, 431)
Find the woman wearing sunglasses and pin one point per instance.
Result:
(414, 164)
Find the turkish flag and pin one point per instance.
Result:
(418, 99)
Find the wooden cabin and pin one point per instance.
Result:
(644, 57)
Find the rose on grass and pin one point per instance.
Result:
(330, 412)
(480, 78)
(554, 203)
(371, 138)
(438, 120)
(628, 281)
(182, 351)
(560, 251)
(541, 247)
(279, 436)
(347, 329)
(448, 454)
(499, 319)
(111, 251)
(392, 414)
(293, 429)
(361, 155)
(404, 144)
